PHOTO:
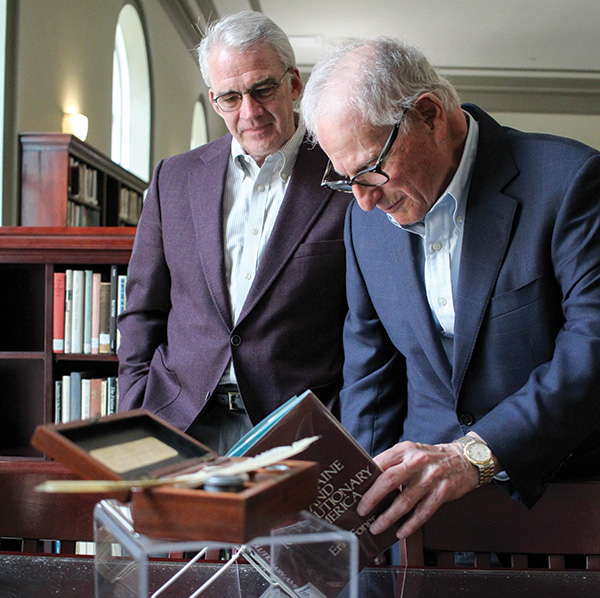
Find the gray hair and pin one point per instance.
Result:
(243, 31)
(382, 79)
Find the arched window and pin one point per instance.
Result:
(130, 144)
(199, 131)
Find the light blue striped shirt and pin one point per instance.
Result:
(251, 202)
(441, 232)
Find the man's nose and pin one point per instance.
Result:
(367, 197)
(250, 108)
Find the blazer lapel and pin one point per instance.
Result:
(206, 192)
(414, 301)
(304, 201)
(488, 224)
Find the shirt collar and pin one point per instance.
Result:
(285, 156)
(458, 189)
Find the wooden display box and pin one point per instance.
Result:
(137, 445)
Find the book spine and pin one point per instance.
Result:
(112, 395)
(57, 401)
(66, 399)
(114, 293)
(95, 397)
(58, 313)
(86, 398)
(104, 397)
(87, 310)
(68, 308)
(104, 331)
(95, 340)
(75, 396)
(78, 315)
(121, 301)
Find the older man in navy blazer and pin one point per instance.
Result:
(236, 293)
(473, 335)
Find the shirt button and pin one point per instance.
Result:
(443, 301)
(436, 246)
(261, 188)
(459, 219)
(254, 232)
(236, 340)
(247, 276)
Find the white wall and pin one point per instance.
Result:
(583, 127)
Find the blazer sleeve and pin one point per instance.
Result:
(143, 324)
(373, 399)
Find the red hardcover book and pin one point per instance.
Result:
(58, 313)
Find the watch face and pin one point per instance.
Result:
(478, 452)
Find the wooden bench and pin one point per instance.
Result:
(562, 530)
(37, 520)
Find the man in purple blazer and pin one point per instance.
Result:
(472, 340)
(236, 293)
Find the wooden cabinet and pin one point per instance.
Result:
(66, 182)
(29, 257)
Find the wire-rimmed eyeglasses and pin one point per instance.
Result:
(373, 176)
(261, 93)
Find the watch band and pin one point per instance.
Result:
(485, 468)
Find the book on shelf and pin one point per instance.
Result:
(58, 313)
(77, 317)
(95, 323)
(68, 308)
(58, 401)
(114, 295)
(87, 312)
(66, 399)
(121, 302)
(346, 469)
(104, 321)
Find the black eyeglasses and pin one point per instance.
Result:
(261, 93)
(373, 176)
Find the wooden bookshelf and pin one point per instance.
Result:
(29, 256)
(66, 182)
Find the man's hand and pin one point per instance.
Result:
(427, 477)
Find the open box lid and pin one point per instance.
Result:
(124, 446)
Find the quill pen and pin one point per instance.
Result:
(190, 480)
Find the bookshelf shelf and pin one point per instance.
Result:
(67, 182)
(29, 257)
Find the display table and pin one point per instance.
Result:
(306, 557)
(69, 577)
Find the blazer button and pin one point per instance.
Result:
(466, 419)
(236, 340)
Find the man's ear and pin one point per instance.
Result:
(429, 108)
(211, 96)
(296, 82)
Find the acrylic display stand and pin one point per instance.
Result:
(306, 557)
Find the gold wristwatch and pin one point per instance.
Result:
(479, 454)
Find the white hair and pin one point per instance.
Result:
(378, 79)
(243, 31)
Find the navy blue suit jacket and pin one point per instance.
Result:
(526, 371)
(177, 331)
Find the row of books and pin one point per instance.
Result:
(85, 311)
(78, 395)
(83, 182)
(82, 215)
(130, 205)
